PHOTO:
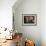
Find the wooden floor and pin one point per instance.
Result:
(16, 41)
(9, 43)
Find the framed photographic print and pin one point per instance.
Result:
(29, 19)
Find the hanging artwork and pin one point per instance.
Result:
(29, 19)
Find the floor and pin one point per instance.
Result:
(9, 43)
(16, 41)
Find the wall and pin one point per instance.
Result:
(6, 13)
(43, 22)
(29, 32)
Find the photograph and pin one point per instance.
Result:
(29, 19)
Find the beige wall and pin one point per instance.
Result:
(28, 7)
(43, 22)
(37, 33)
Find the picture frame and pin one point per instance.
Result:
(29, 19)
